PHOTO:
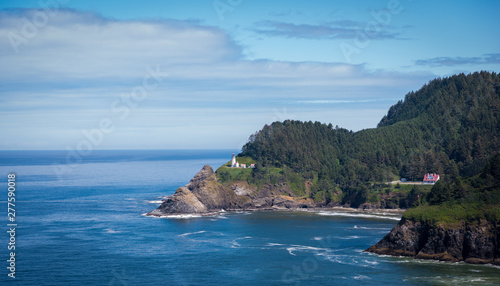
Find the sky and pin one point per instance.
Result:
(191, 74)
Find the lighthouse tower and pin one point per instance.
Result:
(233, 161)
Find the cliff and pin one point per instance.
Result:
(204, 194)
(476, 243)
(460, 222)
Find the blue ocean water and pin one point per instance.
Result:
(80, 222)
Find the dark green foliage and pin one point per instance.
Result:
(482, 188)
(454, 214)
(450, 126)
(471, 199)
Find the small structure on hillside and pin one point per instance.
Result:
(431, 178)
(236, 164)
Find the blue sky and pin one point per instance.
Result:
(86, 75)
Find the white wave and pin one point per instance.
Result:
(236, 244)
(455, 280)
(370, 262)
(109, 230)
(392, 259)
(183, 216)
(243, 212)
(274, 244)
(190, 233)
(333, 257)
(317, 238)
(245, 237)
(218, 217)
(155, 202)
(371, 228)
(303, 248)
(290, 250)
(342, 214)
(349, 237)
(361, 277)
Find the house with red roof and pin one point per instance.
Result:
(431, 178)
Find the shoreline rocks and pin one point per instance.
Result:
(205, 195)
(476, 243)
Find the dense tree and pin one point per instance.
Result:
(450, 126)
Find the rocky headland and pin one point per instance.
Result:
(476, 243)
(303, 165)
(463, 228)
(204, 194)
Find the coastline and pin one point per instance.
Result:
(381, 213)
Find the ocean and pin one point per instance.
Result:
(79, 220)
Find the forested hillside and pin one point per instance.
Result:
(450, 126)
(467, 199)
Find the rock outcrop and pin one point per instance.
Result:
(201, 195)
(473, 243)
(204, 194)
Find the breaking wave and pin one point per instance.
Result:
(375, 216)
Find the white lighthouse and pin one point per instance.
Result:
(233, 161)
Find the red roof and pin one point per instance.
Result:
(431, 177)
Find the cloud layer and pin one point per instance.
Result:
(459, 61)
(68, 75)
(332, 30)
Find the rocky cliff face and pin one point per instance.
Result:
(201, 195)
(474, 243)
(204, 194)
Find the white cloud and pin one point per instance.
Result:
(65, 78)
(77, 45)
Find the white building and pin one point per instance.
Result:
(431, 178)
(233, 161)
